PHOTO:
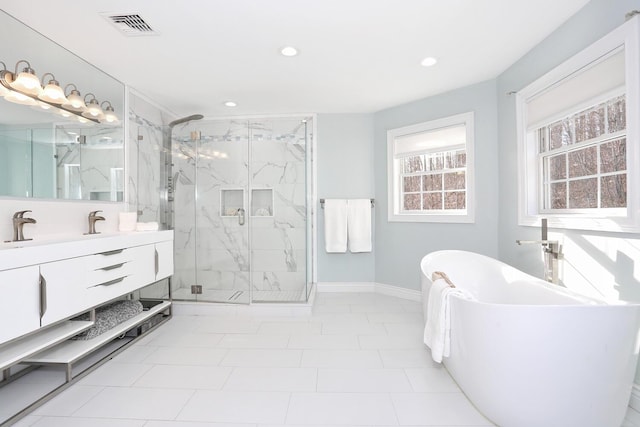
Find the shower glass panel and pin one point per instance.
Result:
(240, 210)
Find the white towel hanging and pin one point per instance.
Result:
(335, 225)
(359, 225)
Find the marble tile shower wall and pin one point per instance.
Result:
(146, 124)
(212, 248)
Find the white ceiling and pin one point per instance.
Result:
(356, 56)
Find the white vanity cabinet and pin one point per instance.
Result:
(164, 259)
(45, 284)
(20, 302)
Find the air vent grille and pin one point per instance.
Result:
(130, 24)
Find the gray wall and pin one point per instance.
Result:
(597, 263)
(345, 170)
(399, 245)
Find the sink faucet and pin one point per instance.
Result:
(552, 253)
(93, 217)
(18, 222)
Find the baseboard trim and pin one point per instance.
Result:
(634, 401)
(378, 288)
(398, 292)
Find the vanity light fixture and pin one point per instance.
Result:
(230, 104)
(25, 88)
(26, 80)
(429, 61)
(52, 92)
(74, 99)
(109, 113)
(93, 110)
(3, 90)
(289, 51)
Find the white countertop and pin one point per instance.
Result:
(54, 248)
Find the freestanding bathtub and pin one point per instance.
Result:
(529, 353)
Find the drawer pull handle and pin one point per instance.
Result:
(112, 267)
(43, 296)
(112, 282)
(157, 262)
(117, 251)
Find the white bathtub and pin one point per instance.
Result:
(529, 353)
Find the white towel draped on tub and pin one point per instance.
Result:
(335, 225)
(359, 225)
(437, 331)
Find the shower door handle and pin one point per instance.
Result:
(240, 216)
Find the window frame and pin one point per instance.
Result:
(395, 172)
(530, 174)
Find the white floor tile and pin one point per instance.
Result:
(363, 380)
(412, 319)
(253, 341)
(186, 339)
(362, 327)
(84, 422)
(407, 358)
(341, 408)
(436, 409)
(236, 407)
(69, 401)
(186, 356)
(192, 424)
(272, 379)
(27, 421)
(344, 342)
(416, 330)
(230, 325)
(390, 342)
(363, 359)
(136, 403)
(278, 358)
(288, 328)
(431, 380)
(190, 377)
(134, 354)
(115, 374)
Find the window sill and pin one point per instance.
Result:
(582, 222)
(462, 218)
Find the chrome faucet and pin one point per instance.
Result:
(93, 218)
(552, 253)
(18, 222)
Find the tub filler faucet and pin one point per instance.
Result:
(18, 223)
(93, 218)
(552, 253)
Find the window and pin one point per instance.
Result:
(576, 131)
(430, 171)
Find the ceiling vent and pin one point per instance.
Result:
(130, 24)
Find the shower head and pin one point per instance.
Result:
(186, 119)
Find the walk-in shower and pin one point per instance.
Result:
(238, 196)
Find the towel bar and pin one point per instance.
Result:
(373, 201)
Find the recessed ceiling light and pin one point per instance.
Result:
(230, 104)
(429, 61)
(289, 51)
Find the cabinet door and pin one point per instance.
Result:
(164, 259)
(20, 302)
(65, 283)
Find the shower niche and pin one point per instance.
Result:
(231, 199)
(243, 231)
(262, 202)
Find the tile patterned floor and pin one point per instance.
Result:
(357, 361)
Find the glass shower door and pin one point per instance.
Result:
(222, 223)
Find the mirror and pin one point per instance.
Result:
(50, 153)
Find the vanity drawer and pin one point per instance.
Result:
(109, 259)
